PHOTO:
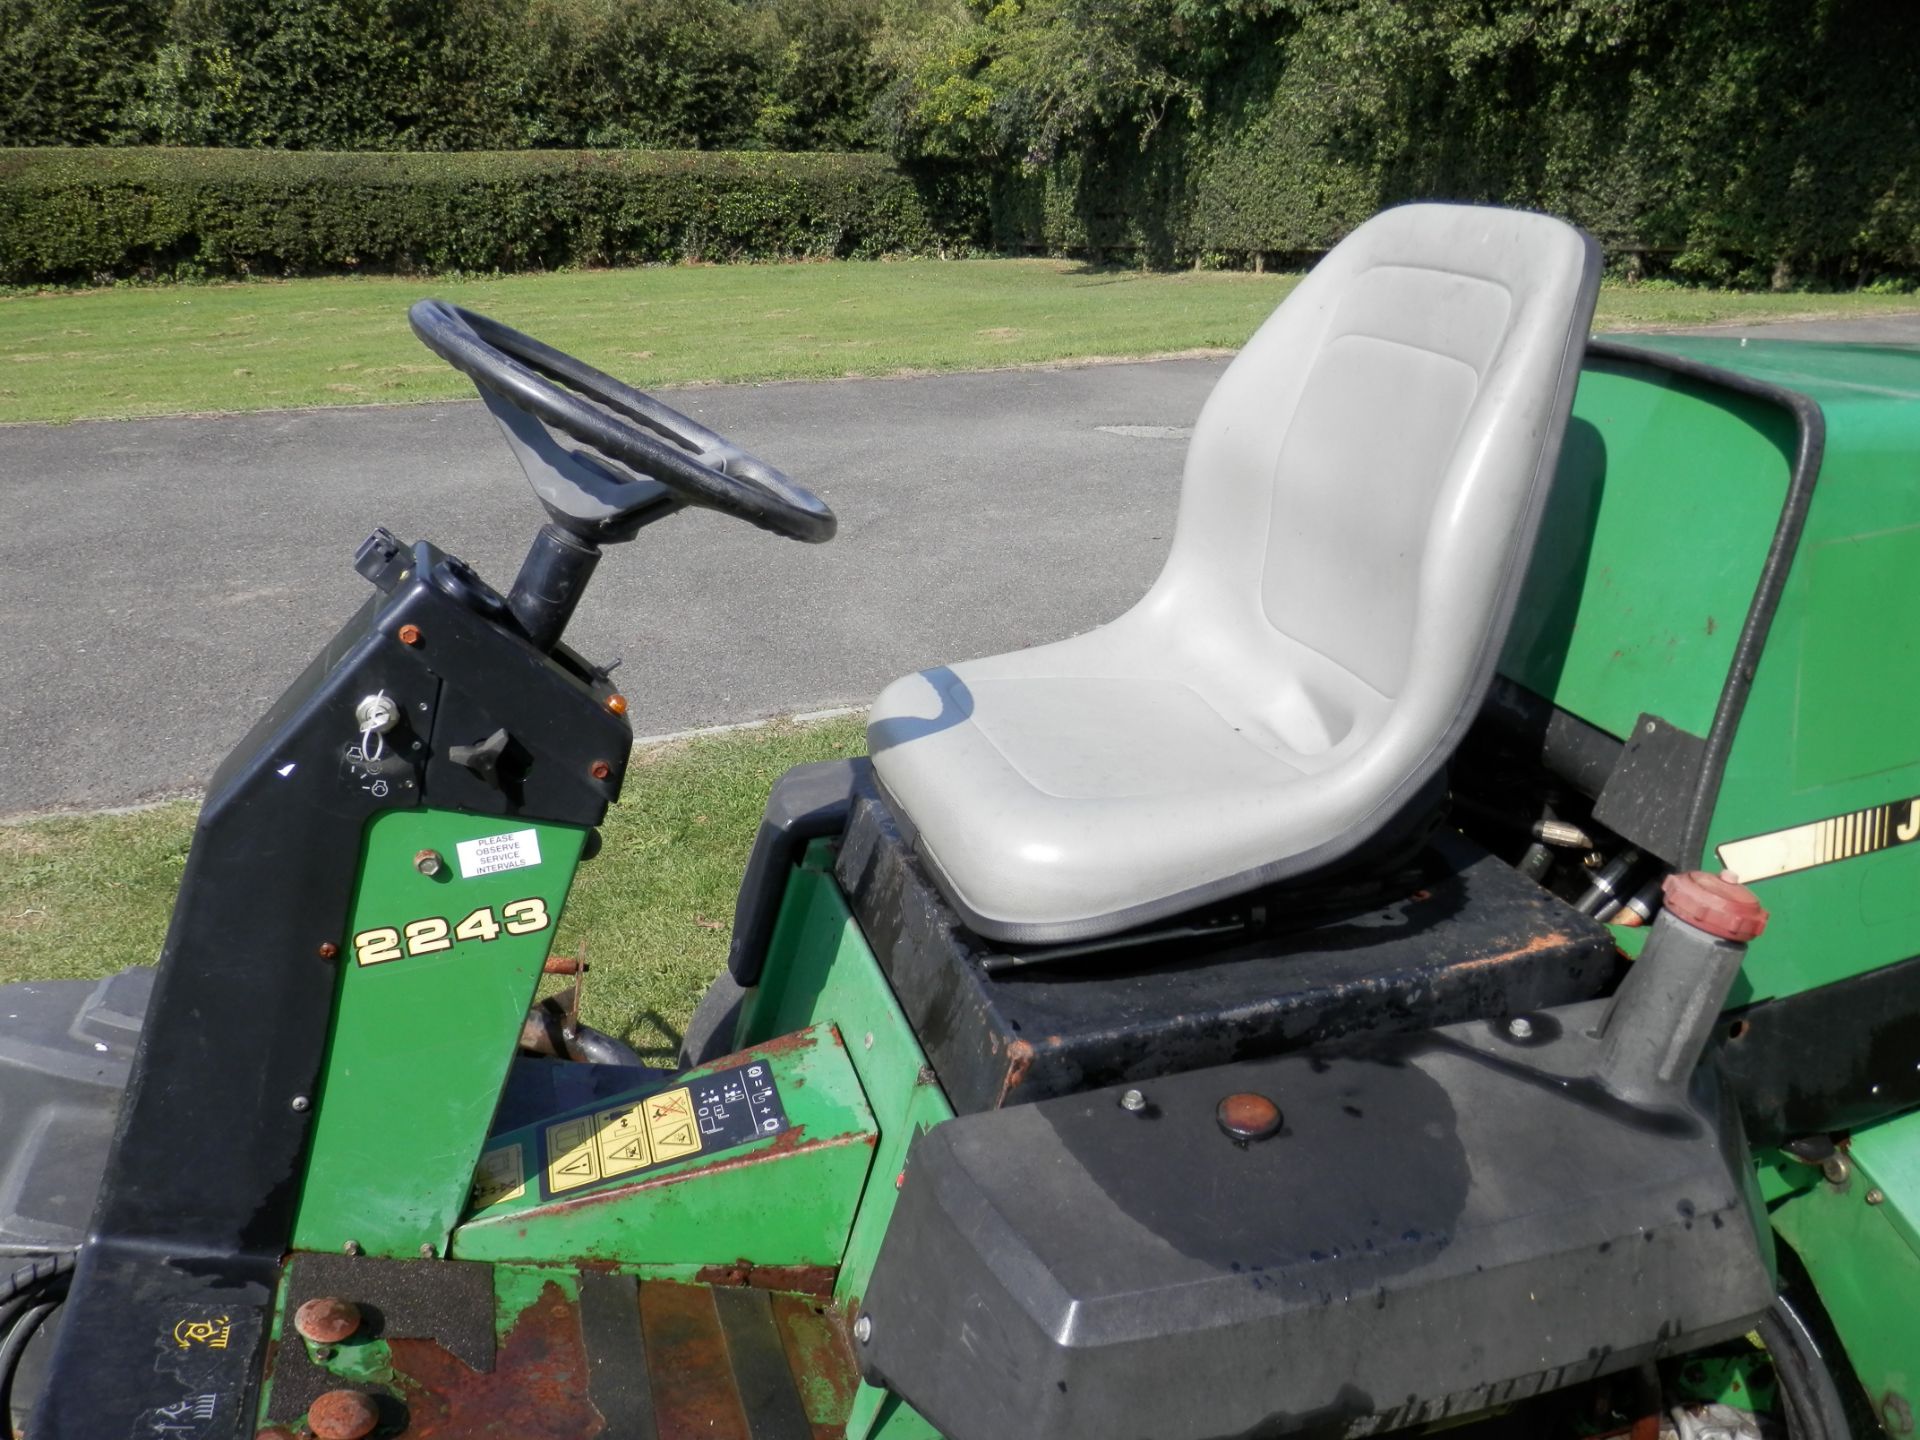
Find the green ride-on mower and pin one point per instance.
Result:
(1449, 957)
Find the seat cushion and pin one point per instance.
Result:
(1357, 512)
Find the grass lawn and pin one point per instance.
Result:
(84, 896)
(173, 349)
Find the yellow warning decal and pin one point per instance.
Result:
(704, 1116)
(498, 1177)
(622, 1141)
(670, 1125)
(1821, 842)
(573, 1159)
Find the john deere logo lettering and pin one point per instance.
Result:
(211, 1334)
(1821, 842)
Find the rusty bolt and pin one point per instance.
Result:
(1247, 1116)
(343, 1415)
(600, 770)
(429, 862)
(327, 1320)
(616, 704)
(328, 950)
(563, 965)
(409, 634)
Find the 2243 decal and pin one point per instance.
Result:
(434, 933)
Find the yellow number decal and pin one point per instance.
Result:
(376, 947)
(426, 936)
(525, 917)
(480, 925)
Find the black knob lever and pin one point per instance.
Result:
(482, 758)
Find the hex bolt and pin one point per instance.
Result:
(301, 1104)
(327, 1319)
(410, 635)
(429, 862)
(1876, 1196)
(1520, 1028)
(600, 770)
(1133, 1100)
(343, 1415)
(863, 1329)
(328, 950)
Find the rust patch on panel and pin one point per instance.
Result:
(796, 1279)
(822, 1363)
(537, 1389)
(684, 1340)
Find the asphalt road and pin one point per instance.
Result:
(162, 580)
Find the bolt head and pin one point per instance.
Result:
(410, 635)
(429, 862)
(1520, 1028)
(427, 1252)
(352, 1247)
(866, 1042)
(1248, 1116)
(1837, 1168)
(1133, 1100)
(343, 1415)
(301, 1104)
(1876, 1196)
(327, 1319)
(863, 1329)
(328, 950)
(600, 770)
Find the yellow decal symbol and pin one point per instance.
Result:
(572, 1158)
(619, 1141)
(212, 1334)
(670, 1125)
(498, 1177)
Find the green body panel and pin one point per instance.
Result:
(1861, 1244)
(420, 1044)
(819, 968)
(787, 1200)
(1643, 618)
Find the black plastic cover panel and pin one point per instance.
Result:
(1462, 936)
(1435, 1229)
(65, 1049)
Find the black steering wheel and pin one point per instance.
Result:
(648, 440)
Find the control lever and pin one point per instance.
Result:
(483, 758)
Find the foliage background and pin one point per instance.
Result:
(1762, 142)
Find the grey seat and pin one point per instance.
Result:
(1360, 500)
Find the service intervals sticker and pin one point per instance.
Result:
(718, 1112)
(516, 850)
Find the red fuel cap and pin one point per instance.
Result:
(1716, 904)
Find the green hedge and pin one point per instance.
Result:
(90, 215)
(1746, 142)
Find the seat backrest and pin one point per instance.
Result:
(1365, 481)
